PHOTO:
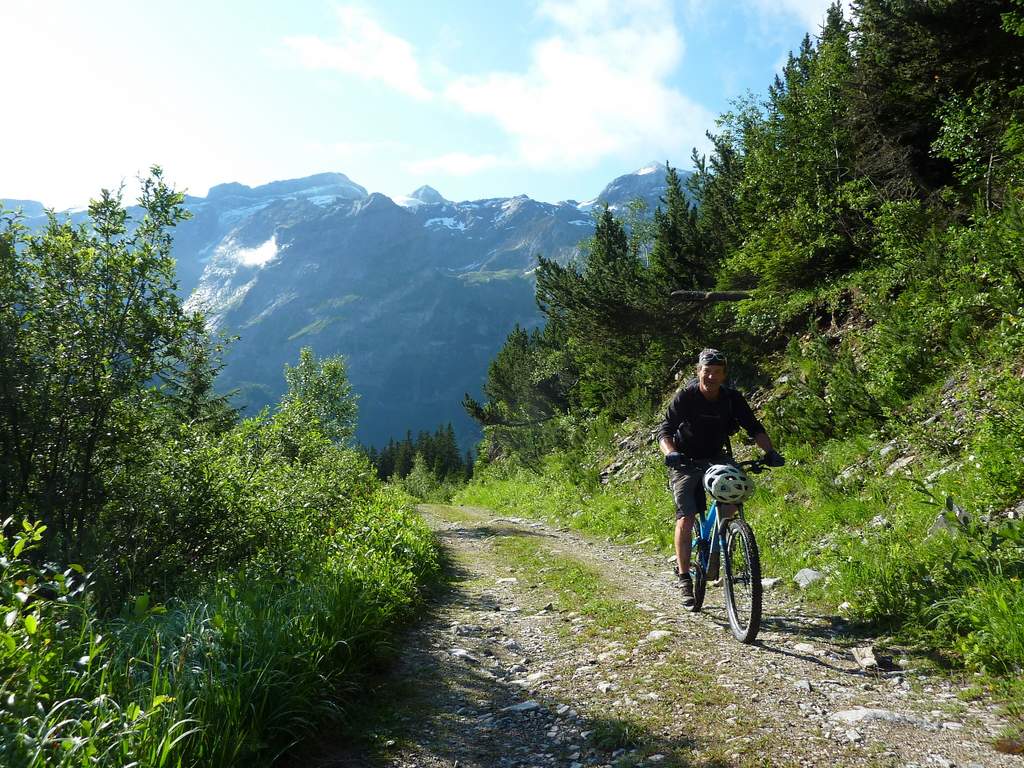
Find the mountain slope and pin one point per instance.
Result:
(418, 293)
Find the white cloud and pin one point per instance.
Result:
(597, 88)
(457, 164)
(365, 49)
(811, 13)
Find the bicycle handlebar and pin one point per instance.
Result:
(754, 466)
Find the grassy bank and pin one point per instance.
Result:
(924, 554)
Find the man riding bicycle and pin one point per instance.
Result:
(696, 432)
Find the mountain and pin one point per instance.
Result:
(419, 293)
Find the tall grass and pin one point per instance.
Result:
(235, 675)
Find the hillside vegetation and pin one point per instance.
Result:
(870, 203)
(178, 586)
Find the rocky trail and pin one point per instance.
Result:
(552, 649)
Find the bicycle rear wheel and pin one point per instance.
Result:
(742, 565)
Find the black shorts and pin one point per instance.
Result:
(687, 486)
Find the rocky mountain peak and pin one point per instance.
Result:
(427, 195)
(318, 185)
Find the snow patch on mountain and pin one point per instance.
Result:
(258, 256)
(446, 221)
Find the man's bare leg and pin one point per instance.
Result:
(684, 529)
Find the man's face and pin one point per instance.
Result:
(711, 377)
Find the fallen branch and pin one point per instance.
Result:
(710, 296)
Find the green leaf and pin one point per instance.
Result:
(141, 605)
(31, 623)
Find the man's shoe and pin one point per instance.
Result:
(686, 586)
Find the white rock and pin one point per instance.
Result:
(951, 726)
(509, 580)
(770, 583)
(804, 648)
(657, 634)
(604, 686)
(865, 657)
(853, 735)
(537, 676)
(865, 714)
(807, 576)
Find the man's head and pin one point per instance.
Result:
(711, 357)
(711, 371)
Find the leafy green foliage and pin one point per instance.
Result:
(320, 390)
(87, 318)
(241, 573)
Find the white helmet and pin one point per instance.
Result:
(728, 484)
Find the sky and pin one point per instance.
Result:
(549, 98)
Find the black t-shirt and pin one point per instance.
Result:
(701, 427)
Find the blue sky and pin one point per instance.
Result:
(551, 98)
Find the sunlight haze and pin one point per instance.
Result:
(550, 99)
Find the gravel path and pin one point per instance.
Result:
(508, 671)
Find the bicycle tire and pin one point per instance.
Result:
(742, 565)
(697, 573)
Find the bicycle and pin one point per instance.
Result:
(730, 541)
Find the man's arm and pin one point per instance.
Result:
(764, 442)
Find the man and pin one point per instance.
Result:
(696, 428)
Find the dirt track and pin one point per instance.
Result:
(556, 650)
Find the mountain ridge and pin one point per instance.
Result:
(418, 293)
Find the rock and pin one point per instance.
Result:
(604, 686)
(466, 630)
(942, 762)
(865, 657)
(807, 576)
(770, 583)
(537, 676)
(509, 580)
(462, 653)
(803, 685)
(804, 648)
(900, 464)
(657, 634)
(844, 607)
(865, 714)
(952, 726)
(879, 521)
(943, 523)
(854, 736)
(525, 706)
(655, 758)
(887, 449)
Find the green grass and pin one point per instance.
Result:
(236, 675)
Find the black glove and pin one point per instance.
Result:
(674, 459)
(774, 459)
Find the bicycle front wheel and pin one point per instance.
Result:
(742, 565)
